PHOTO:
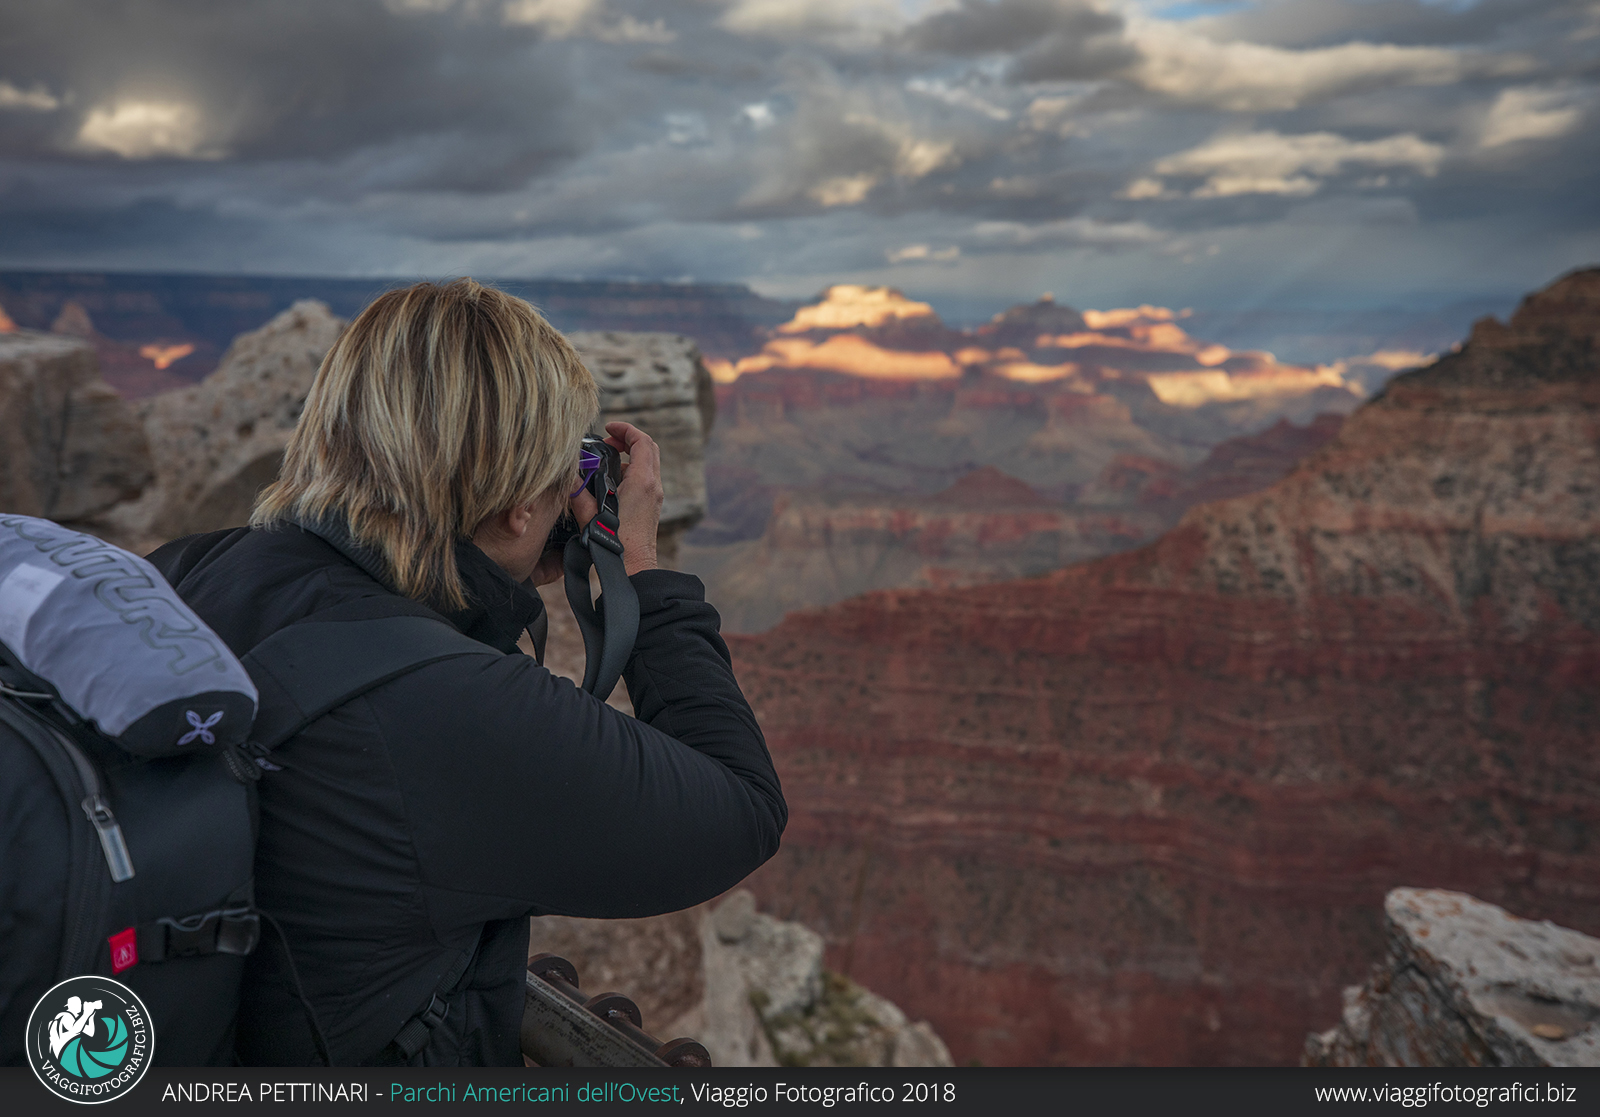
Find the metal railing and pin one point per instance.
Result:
(564, 1027)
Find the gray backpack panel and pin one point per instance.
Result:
(119, 645)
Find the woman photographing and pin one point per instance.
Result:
(407, 836)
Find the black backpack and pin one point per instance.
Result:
(130, 745)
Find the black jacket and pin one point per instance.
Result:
(433, 816)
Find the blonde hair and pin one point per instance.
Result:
(440, 406)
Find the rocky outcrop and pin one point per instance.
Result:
(1465, 984)
(219, 443)
(71, 446)
(1145, 809)
(750, 987)
(659, 383)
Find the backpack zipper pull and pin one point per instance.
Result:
(116, 850)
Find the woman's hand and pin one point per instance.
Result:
(639, 496)
(639, 499)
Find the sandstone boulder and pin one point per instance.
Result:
(69, 445)
(1466, 984)
(750, 987)
(659, 383)
(217, 444)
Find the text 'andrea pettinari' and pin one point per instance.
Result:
(266, 1091)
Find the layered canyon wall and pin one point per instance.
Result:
(817, 546)
(1145, 809)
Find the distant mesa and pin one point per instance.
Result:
(989, 487)
(846, 305)
(1022, 325)
(878, 333)
(73, 321)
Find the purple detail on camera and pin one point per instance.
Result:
(588, 463)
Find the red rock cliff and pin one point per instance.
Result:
(1145, 809)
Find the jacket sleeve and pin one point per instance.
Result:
(518, 785)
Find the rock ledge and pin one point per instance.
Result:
(1466, 984)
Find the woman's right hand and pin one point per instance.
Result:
(639, 497)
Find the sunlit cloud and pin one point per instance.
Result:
(1293, 166)
(1072, 231)
(958, 96)
(148, 130)
(922, 254)
(37, 99)
(843, 190)
(558, 18)
(838, 148)
(1053, 114)
(842, 22)
(566, 19)
(1252, 77)
(1141, 189)
(1531, 114)
(916, 158)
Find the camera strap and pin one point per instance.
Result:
(610, 625)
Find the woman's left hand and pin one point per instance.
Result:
(549, 568)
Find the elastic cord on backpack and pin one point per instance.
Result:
(317, 1037)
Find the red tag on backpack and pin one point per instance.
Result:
(124, 950)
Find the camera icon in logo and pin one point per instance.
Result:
(90, 1039)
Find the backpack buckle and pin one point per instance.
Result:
(235, 931)
(432, 1016)
(187, 937)
(238, 932)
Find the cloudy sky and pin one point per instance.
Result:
(1222, 155)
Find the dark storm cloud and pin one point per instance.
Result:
(989, 26)
(1064, 40)
(295, 79)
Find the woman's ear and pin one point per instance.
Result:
(510, 524)
(517, 517)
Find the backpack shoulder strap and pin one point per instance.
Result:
(317, 665)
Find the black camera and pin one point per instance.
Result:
(600, 467)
